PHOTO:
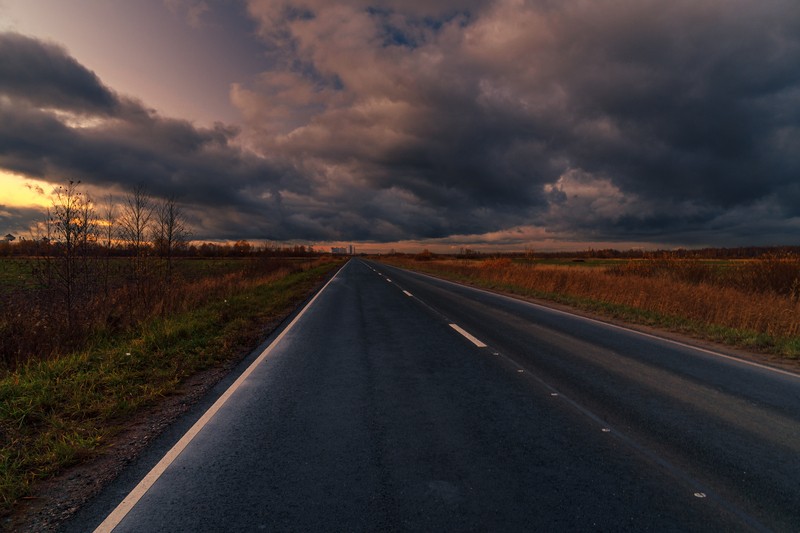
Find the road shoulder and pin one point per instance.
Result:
(57, 500)
(767, 359)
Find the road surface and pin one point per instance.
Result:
(396, 401)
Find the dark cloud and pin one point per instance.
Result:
(601, 121)
(43, 74)
(672, 115)
(20, 221)
(167, 156)
(58, 122)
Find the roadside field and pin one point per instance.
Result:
(22, 272)
(752, 304)
(14, 273)
(58, 410)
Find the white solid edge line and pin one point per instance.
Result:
(124, 507)
(474, 341)
(407, 293)
(631, 330)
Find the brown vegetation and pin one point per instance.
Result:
(756, 301)
(102, 317)
(62, 410)
(84, 276)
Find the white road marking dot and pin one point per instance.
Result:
(699, 494)
(606, 430)
(387, 279)
(553, 394)
(496, 353)
(407, 293)
(520, 370)
(472, 339)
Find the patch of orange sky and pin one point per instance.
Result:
(21, 191)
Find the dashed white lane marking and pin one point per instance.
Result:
(387, 279)
(407, 293)
(116, 516)
(622, 328)
(655, 458)
(472, 339)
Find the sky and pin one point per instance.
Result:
(493, 125)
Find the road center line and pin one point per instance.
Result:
(124, 507)
(472, 339)
(407, 293)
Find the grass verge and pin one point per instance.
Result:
(588, 295)
(55, 413)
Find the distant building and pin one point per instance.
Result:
(343, 250)
(9, 238)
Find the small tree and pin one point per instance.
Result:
(109, 233)
(169, 233)
(71, 230)
(242, 248)
(134, 227)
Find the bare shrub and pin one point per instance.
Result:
(73, 229)
(134, 229)
(169, 233)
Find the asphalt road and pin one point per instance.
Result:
(372, 412)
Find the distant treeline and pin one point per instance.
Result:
(36, 247)
(743, 252)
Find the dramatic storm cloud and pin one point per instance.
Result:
(59, 122)
(500, 122)
(42, 74)
(608, 119)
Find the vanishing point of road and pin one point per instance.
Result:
(398, 402)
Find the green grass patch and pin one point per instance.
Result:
(15, 272)
(55, 413)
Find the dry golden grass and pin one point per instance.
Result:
(713, 300)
